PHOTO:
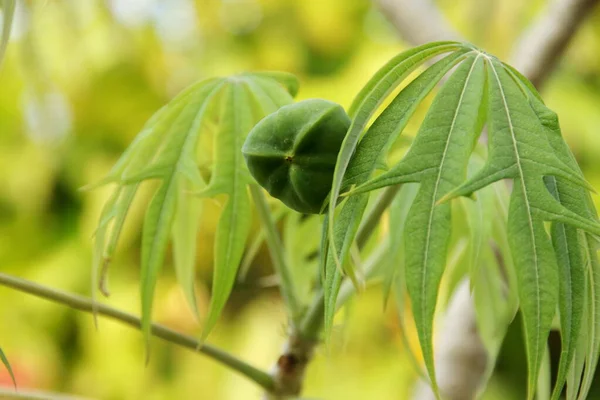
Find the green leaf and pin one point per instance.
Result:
(438, 161)
(344, 233)
(568, 245)
(184, 235)
(519, 149)
(487, 265)
(287, 80)
(266, 94)
(6, 364)
(176, 159)
(167, 151)
(565, 240)
(393, 72)
(8, 13)
(545, 378)
(369, 154)
(230, 177)
(525, 146)
(135, 158)
(255, 245)
(592, 314)
(302, 248)
(576, 371)
(364, 107)
(394, 263)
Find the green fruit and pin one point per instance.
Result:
(292, 152)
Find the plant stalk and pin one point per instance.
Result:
(286, 286)
(77, 302)
(312, 322)
(288, 372)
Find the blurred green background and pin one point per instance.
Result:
(80, 79)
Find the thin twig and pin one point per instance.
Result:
(84, 304)
(539, 49)
(418, 22)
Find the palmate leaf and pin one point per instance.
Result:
(362, 110)
(575, 251)
(438, 160)
(524, 145)
(532, 157)
(229, 178)
(166, 151)
(371, 151)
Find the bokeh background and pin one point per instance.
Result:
(80, 79)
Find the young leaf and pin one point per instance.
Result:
(166, 151)
(285, 79)
(255, 245)
(230, 177)
(519, 149)
(6, 364)
(114, 212)
(267, 94)
(369, 154)
(544, 383)
(301, 247)
(394, 262)
(572, 282)
(394, 276)
(592, 315)
(364, 107)
(344, 233)
(576, 371)
(438, 160)
(184, 236)
(568, 244)
(175, 160)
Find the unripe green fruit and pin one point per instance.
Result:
(292, 152)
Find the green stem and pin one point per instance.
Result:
(84, 304)
(282, 269)
(313, 318)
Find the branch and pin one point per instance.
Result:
(84, 304)
(540, 48)
(288, 372)
(418, 22)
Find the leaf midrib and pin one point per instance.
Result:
(522, 182)
(437, 183)
(338, 173)
(169, 180)
(235, 179)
